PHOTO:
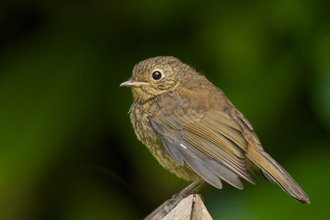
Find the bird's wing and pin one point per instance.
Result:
(210, 143)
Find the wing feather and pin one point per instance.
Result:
(199, 167)
(222, 171)
(172, 151)
(215, 153)
(210, 143)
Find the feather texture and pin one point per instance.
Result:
(194, 131)
(214, 146)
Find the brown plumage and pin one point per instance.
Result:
(194, 131)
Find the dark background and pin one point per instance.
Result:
(67, 148)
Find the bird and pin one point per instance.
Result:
(195, 132)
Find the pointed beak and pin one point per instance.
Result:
(133, 84)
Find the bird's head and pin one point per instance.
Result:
(156, 76)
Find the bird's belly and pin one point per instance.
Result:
(147, 135)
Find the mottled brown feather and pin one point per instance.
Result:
(194, 131)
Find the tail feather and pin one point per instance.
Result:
(273, 172)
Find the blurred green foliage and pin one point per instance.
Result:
(67, 149)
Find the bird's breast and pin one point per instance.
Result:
(140, 117)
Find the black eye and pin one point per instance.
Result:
(156, 75)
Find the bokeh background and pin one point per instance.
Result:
(67, 148)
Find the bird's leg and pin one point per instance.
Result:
(201, 185)
(193, 188)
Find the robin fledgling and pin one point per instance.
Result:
(195, 132)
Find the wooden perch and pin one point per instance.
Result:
(189, 208)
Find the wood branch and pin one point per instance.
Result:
(189, 208)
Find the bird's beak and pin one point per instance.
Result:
(134, 84)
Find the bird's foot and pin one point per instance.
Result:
(176, 198)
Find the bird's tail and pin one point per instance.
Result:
(273, 172)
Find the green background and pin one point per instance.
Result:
(67, 148)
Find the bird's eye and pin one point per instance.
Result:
(156, 75)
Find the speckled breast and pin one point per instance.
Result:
(140, 116)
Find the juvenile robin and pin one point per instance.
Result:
(195, 132)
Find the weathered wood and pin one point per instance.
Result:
(189, 208)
